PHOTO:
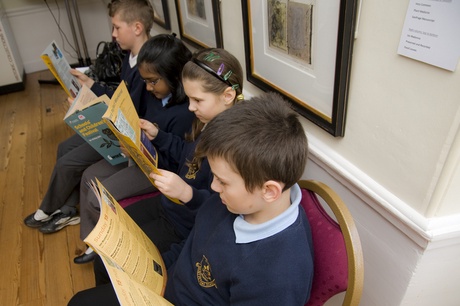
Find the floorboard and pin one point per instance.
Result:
(36, 269)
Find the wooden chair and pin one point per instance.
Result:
(338, 258)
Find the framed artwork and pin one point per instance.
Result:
(161, 13)
(302, 49)
(199, 23)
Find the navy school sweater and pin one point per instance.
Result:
(175, 120)
(213, 269)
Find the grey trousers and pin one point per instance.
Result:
(122, 181)
(74, 155)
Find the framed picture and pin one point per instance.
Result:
(161, 13)
(199, 22)
(302, 49)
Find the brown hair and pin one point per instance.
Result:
(133, 10)
(216, 69)
(261, 139)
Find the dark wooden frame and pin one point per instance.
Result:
(334, 124)
(194, 41)
(166, 23)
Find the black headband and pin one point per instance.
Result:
(212, 72)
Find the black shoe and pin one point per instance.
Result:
(85, 258)
(58, 222)
(30, 221)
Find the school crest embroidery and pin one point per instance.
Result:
(192, 170)
(204, 274)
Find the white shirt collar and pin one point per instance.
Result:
(246, 232)
(132, 60)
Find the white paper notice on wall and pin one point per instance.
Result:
(431, 32)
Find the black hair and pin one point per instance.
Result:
(166, 55)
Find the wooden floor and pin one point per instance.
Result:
(35, 269)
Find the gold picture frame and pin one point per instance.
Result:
(302, 49)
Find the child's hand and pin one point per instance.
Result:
(171, 185)
(83, 79)
(150, 129)
(70, 100)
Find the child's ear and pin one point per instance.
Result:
(272, 191)
(138, 28)
(229, 95)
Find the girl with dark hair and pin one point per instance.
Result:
(160, 63)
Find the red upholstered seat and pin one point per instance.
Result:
(128, 201)
(338, 260)
(330, 254)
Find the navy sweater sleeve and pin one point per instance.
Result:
(170, 256)
(176, 120)
(170, 144)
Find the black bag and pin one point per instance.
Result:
(107, 66)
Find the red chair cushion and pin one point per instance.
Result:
(330, 255)
(128, 201)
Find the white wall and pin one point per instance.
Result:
(35, 27)
(12, 4)
(397, 166)
(403, 115)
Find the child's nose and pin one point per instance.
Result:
(215, 186)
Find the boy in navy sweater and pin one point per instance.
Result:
(251, 243)
(132, 21)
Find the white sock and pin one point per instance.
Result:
(40, 215)
(89, 251)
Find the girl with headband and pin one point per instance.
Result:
(213, 81)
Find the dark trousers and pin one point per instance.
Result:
(73, 157)
(101, 295)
